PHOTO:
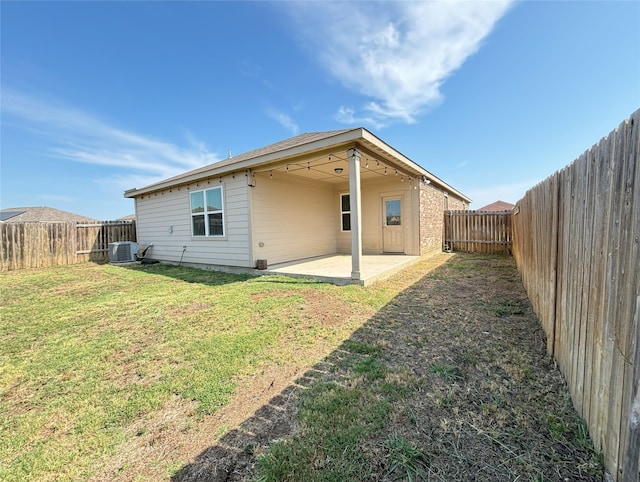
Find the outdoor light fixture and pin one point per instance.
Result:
(338, 170)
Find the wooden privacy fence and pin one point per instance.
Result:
(576, 244)
(477, 231)
(39, 245)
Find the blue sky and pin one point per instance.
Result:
(492, 97)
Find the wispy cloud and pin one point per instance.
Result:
(284, 120)
(347, 115)
(75, 135)
(398, 54)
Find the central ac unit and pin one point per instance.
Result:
(123, 252)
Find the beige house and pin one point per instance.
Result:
(316, 194)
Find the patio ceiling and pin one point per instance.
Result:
(334, 168)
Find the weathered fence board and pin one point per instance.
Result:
(39, 245)
(478, 231)
(576, 243)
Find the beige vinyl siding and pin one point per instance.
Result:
(293, 218)
(158, 212)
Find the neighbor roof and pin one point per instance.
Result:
(4, 215)
(41, 214)
(300, 145)
(497, 206)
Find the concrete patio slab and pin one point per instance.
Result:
(336, 269)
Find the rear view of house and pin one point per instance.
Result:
(316, 194)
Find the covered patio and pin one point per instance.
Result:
(336, 268)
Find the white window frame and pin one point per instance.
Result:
(207, 212)
(342, 213)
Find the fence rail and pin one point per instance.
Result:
(478, 231)
(576, 244)
(39, 245)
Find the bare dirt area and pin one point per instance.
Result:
(478, 395)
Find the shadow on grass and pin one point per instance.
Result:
(211, 277)
(188, 275)
(505, 415)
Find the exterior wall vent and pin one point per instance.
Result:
(123, 252)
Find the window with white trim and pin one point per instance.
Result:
(207, 212)
(345, 212)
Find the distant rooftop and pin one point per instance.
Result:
(41, 214)
(4, 215)
(497, 206)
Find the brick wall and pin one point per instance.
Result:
(432, 207)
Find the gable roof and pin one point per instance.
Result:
(295, 147)
(40, 214)
(497, 206)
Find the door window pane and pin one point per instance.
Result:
(392, 211)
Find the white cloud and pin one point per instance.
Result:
(398, 54)
(77, 136)
(347, 115)
(284, 120)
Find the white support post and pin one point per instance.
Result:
(356, 212)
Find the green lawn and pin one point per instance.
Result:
(113, 373)
(89, 349)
